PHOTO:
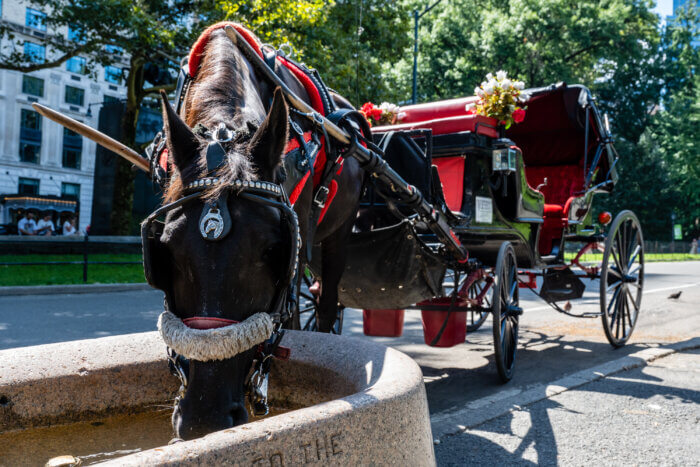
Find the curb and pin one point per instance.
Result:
(487, 408)
(71, 289)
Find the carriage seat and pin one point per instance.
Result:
(563, 183)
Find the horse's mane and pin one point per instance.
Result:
(224, 90)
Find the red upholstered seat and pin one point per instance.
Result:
(564, 182)
(442, 126)
(451, 170)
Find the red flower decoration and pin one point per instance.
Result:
(518, 115)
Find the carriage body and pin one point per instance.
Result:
(514, 198)
(497, 204)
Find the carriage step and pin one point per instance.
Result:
(561, 284)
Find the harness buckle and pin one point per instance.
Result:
(321, 196)
(258, 393)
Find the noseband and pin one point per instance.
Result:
(207, 338)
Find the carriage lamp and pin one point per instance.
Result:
(504, 160)
(604, 218)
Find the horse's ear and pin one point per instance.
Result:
(270, 139)
(183, 144)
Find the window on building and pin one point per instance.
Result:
(28, 186)
(109, 99)
(76, 65)
(75, 34)
(70, 190)
(75, 96)
(113, 74)
(36, 19)
(114, 49)
(33, 86)
(34, 53)
(29, 136)
(72, 149)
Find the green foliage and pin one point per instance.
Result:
(675, 128)
(348, 42)
(538, 41)
(148, 28)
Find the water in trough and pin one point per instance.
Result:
(92, 442)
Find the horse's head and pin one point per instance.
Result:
(231, 265)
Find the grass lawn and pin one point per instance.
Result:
(55, 274)
(648, 257)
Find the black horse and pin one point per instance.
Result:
(238, 276)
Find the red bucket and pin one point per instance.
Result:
(382, 323)
(455, 330)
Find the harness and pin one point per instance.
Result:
(214, 225)
(306, 157)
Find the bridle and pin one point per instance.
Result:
(214, 225)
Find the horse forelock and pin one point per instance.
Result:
(224, 90)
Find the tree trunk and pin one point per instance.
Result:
(123, 198)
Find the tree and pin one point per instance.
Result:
(348, 41)
(538, 41)
(674, 129)
(148, 31)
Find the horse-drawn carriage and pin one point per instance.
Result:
(515, 199)
(260, 162)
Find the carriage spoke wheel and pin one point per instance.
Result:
(622, 278)
(475, 318)
(506, 311)
(308, 309)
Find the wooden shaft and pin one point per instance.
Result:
(96, 136)
(250, 53)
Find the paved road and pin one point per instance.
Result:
(646, 416)
(551, 345)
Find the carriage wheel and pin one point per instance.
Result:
(622, 278)
(506, 311)
(308, 309)
(475, 318)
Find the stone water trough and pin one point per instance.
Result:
(348, 402)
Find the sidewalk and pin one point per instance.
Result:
(70, 289)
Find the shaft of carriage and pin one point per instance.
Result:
(369, 160)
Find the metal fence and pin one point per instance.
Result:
(69, 245)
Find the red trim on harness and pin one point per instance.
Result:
(206, 322)
(163, 160)
(296, 192)
(332, 190)
(317, 104)
(280, 353)
(293, 143)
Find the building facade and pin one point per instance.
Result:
(40, 159)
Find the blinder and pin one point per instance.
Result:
(215, 222)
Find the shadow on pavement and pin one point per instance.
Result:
(483, 443)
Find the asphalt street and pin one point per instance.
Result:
(460, 378)
(645, 416)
